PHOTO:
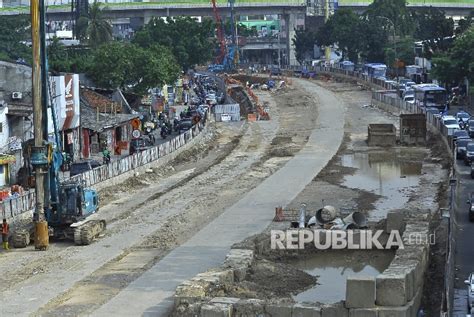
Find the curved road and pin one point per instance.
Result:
(151, 293)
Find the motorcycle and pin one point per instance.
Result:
(164, 132)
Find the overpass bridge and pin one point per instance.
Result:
(454, 8)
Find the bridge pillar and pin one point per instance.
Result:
(290, 26)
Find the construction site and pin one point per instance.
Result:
(189, 234)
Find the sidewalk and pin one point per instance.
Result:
(151, 294)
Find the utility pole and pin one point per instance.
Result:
(39, 153)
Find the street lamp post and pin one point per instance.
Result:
(394, 45)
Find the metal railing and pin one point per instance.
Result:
(15, 206)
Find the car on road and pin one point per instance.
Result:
(409, 99)
(470, 128)
(460, 134)
(469, 157)
(470, 288)
(463, 115)
(451, 123)
(433, 110)
(140, 144)
(82, 166)
(461, 148)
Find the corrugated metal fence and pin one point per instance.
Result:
(15, 206)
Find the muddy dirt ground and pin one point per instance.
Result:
(404, 178)
(150, 214)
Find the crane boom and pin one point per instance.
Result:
(220, 33)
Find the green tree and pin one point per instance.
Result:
(93, 27)
(14, 31)
(394, 10)
(434, 28)
(304, 42)
(374, 40)
(74, 59)
(458, 62)
(465, 23)
(130, 67)
(184, 36)
(339, 31)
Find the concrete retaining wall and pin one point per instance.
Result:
(396, 292)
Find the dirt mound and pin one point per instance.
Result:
(268, 280)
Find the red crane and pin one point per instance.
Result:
(220, 33)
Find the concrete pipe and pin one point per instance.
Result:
(356, 218)
(312, 222)
(326, 214)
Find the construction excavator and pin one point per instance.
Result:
(66, 206)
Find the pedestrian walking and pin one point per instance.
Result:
(5, 231)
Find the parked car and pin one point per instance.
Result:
(460, 134)
(140, 144)
(469, 157)
(461, 148)
(82, 166)
(451, 123)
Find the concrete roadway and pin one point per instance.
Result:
(464, 238)
(151, 294)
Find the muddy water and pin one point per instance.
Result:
(394, 175)
(333, 269)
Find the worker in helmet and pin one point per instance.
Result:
(5, 230)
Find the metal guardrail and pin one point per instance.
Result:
(17, 205)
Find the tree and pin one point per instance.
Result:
(130, 67)
(75, 59)
(339, 30)
(394, 10)
(184, 36)
(14, 31)
(458, 62)
(374, 39)
(434, 29)
(465, 23)
(93, 27)
(304, 42)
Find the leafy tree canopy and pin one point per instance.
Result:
(15, 30)
(189, 48)
(130, 67)
(304, 42)
(93, 27)
(340, 30)
(458, 62)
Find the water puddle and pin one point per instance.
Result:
(333, 268)
(391, 174)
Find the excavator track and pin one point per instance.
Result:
(87, 232)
